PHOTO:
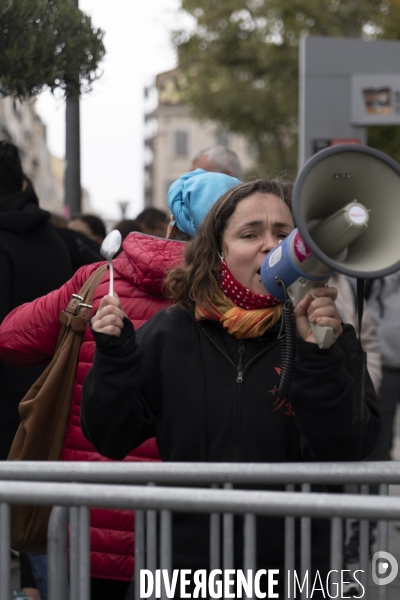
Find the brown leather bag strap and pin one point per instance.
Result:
(89, 287)
(87, 292)
(77, 313)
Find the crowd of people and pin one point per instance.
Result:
(183, 363)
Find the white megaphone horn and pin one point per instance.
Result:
(346, 206)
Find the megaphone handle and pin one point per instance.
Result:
(323, 335)
(297, 291)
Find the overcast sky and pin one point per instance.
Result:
(137, 42)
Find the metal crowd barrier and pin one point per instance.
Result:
(49, 484)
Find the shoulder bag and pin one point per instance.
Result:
(45, 411)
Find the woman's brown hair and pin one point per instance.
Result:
(198, 280)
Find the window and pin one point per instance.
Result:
(181, 143)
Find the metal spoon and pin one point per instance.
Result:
(110, 246)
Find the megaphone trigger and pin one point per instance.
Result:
(323, 335)
(297, 291)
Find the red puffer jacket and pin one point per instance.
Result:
(28, 337)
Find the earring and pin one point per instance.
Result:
(221, 255)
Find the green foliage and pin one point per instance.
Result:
(240, 61)
(47, 44)
(385, 138)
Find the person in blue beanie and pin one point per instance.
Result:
(190, 198)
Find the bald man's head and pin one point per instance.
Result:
(218, 159)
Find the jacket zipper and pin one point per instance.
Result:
(240, 369)
(239, 380)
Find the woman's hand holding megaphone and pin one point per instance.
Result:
(318, 308)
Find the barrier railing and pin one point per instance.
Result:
(204, 473)
(228, 502)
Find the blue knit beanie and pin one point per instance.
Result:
(191, 197)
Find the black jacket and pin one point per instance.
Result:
(180, 381)
(33, 262)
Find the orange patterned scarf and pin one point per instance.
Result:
(239, 322)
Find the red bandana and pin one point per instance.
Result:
(242, 296)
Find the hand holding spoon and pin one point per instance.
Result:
(110, 246)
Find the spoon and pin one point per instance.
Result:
(110, 246)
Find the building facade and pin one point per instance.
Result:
(22, 126)
(174, 137)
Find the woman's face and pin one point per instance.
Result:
(258, 224)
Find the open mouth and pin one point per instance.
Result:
(259, 271)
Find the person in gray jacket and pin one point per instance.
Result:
(346, 304)
(384, 306)
(347, 307)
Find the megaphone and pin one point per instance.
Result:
(346, 206)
